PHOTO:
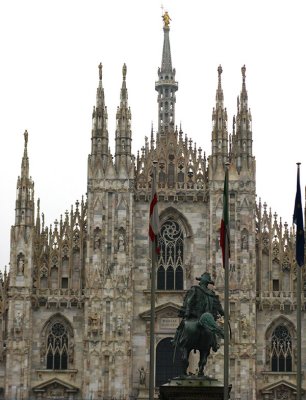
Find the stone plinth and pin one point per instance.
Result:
(193, 388)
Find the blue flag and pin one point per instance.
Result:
(298, 220)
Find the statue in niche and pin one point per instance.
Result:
(201, 324)
(20, 265)
(119, 324)
(97, 241)
(142, 376)
(18, 321)
(94, 322)
(244, 324)
(244, 240)
(121, 240)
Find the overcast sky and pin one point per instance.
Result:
(50, 51)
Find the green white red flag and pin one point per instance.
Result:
(154, 218)
(224, 230)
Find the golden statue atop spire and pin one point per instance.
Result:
(166, 18)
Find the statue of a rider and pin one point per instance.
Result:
(201, 304)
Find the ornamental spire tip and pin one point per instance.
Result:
(166, 18)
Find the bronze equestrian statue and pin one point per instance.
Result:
(198, 329)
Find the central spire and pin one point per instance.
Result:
(166, 86)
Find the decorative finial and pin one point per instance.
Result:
(243, 69)
(26, 138)
(124, 71)
(220, 70)
(166, 18)
(100, 71)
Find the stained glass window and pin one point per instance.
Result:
(281, 350)
(57, 347)
(170, 261)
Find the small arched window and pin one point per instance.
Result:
(170, 261)
(281, 350)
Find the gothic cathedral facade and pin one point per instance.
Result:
(75, 304)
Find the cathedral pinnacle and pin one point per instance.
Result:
(123, 129)
(244, 94)
(124, 71)
(24, 210)
(220, 70)
(243, 69)
(26, 135)
(25, 160)
(219, 94)
(100, 71)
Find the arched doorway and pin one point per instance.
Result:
(165, 367)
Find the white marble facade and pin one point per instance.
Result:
(75, 304)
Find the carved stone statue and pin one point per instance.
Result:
(166, 19)
(121, 240)
(142, 376)
(18, 322)
(200, 326)
(20, 266)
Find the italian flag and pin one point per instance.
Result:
(224, 230)
(154, 218)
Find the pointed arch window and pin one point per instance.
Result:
(170, 261)
(281, 350)
(57, 347)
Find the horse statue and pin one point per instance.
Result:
(199, 328)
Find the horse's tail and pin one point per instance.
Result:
(176, 342)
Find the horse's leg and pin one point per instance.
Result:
(185, 357)
(201, 363)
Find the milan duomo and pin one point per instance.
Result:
(75, 304)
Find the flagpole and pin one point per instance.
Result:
(299, 336)
(226, 304)
(298, 291)
(152, 316)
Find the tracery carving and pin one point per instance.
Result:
(57, 344)
(170, 262)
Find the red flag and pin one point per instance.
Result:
(154, 218)
(224, 230)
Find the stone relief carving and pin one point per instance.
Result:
(119, 324)
(94, 323)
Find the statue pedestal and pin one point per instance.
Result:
(193, 388)
(143, 393)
